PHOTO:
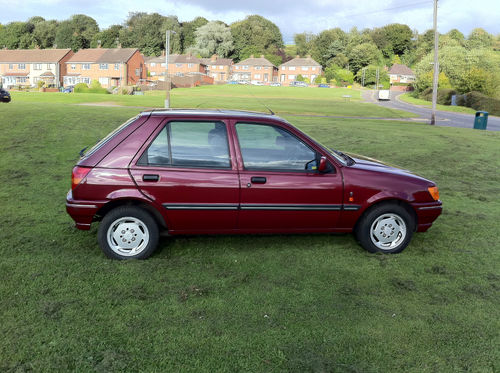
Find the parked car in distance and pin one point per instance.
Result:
(68, 89)
(4, 95)
(257, 83)
(384, 94)
(233, 172)
(275, 84)
(244, 82)
(232, 82)
(297, 83)
(323, 85)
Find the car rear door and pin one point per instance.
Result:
(281, 188)
(188, 169)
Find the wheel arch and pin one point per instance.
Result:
(400, 202)
(111, 205)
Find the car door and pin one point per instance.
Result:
(281, 188)
(187, 169)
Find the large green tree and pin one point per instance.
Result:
(329, 44)
(44, 34)
(108, 38)
(213, 38)
(76, 33)
(258, 32)
(479, 38)
(392, 39)
(304, 43)
(188, 30)
(16, 35)
(363, 55)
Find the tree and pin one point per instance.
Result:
(304, 43)
(44, 34)
(392, 39)
(479, 38)
(188, 30)
(328, 44)
(371, 76)
(364, 55)
(147, 32)
(213, 38)
(340, 76)
(258, 32)
(16, 35)
(76, 33)
(108, 38)
(456, 35)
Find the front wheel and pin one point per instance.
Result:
(386, 228)
(128, 232)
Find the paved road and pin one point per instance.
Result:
(443, 118)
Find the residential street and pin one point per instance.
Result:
(443, 118)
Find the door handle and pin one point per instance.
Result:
(258, 180)
(150, 178)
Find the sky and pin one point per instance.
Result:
(291, 16)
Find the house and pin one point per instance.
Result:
(255, 70)
(401, 74)
(306, 67)
(29, 66)
(178, 65)
(111, 67)
(218, 68)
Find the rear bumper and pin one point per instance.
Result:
(427, 213)
(82, 212)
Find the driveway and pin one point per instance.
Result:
(443, 118)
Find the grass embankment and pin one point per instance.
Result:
(406, 97)
(247, 303)
(282, 100)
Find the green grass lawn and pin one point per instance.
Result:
(406, 97)
(306, 303)
(282, 100)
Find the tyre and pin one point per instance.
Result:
(128, 232)
(386, 228)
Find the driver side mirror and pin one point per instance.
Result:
(323, 165)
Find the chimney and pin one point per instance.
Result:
(213, 58)
(163, 53)
(98, 44)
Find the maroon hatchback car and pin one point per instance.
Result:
(226, 172)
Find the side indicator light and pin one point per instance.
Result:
(434, 192)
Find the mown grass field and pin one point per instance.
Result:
(308, 303)
(282, 100)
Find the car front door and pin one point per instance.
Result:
(281, 187)
(187, 169)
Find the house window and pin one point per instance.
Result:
(214, 67)
(283, 68)
(37, 66)
(152, 73)
(305, 68)
(292, 68)
(258, 67)
(49, 66)
(163, 64)
(291, 77)
(104, 81)
(73, 66)
(85, 66)
(221, 67)
(103, 66)
(266, 68)
(190, 65)
(153, 64)
(21, 66)
(22, 79)
(178, 65)
(11, 66)
(137, 72)
(256, 76)
(117, 66)
(245, 67)
(313, 68)
(237, 67)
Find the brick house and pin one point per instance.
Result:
(401, 74)
(255, 70)
(218, 68)
(111, 67)
(29, 66)
(178, 65)
(306, 67)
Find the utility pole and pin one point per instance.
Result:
(167, 78)
(436, 66)
(377, 77)
(363, 78)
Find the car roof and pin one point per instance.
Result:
(212, 113)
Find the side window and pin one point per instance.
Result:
(272, 148)
(189, 144)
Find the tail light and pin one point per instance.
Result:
(78, 175)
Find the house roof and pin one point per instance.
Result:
(217, 61)
(298, 61)
(103, 55)
(48, 74)
(32, 55)
(399, 69)
(252, 61)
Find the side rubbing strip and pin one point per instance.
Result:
(292, 207)
(351, 207)
(204, 206)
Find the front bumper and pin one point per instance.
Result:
(82, 212)
(427, 213)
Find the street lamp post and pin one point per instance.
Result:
(167, 78)
(436, 66)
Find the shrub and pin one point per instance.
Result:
(96, 87)
(478, 101)
(40, 83)
(443, 96)
(81, 88)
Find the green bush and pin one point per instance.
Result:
(478, 101)
(40, 83)
(96, 87)
(81, 88)
(443, 96)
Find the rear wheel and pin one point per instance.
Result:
(128, 232)
(386, 228)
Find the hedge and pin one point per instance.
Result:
(478, 101)
(443, 96)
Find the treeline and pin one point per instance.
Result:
(467, 63)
